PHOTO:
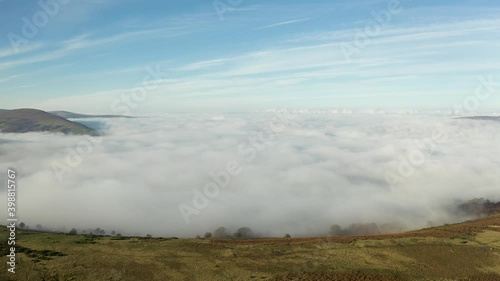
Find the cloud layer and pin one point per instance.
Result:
(315, 171)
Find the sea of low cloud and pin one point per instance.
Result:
(300, 172)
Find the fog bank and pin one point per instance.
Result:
(300, 173)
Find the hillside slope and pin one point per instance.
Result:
(465, 251)
(67, 114)
(482, 118)
(32, 120)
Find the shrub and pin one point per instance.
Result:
(335, 230)
(221, 232)
(244, 232)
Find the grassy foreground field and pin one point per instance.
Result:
(465, 251)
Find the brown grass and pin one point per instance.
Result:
(467, 251)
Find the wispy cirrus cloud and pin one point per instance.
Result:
(88, 40)
(425, 55)
(68, 47)
(5, 79)
(284, 23)
(8, 52)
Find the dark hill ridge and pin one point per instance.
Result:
(482, 118)
(67, 114)
(33, 120)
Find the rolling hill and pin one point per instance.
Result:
(33, 120)
(482, 118)
(67, 114)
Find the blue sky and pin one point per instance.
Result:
(260, 54)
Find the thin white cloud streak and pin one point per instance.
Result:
(3, 80)
(19, 87)
(428, 31)
(321, 69)
(284, 23)
(323, 169)
(86, 41)
(9, 51)
(202, 65)
(50, 56)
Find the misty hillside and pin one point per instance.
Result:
(67, 114)
(32, 120)
(482, 118)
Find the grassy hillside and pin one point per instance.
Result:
(466, 251)
(32, 120)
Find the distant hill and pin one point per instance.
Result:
(67, 114)
(483, 118)
(33, 120)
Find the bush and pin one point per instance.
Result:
(73, 231)
(335, 230)
(208, 235)
(221, 232)
(244, 232)
(118, 237)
